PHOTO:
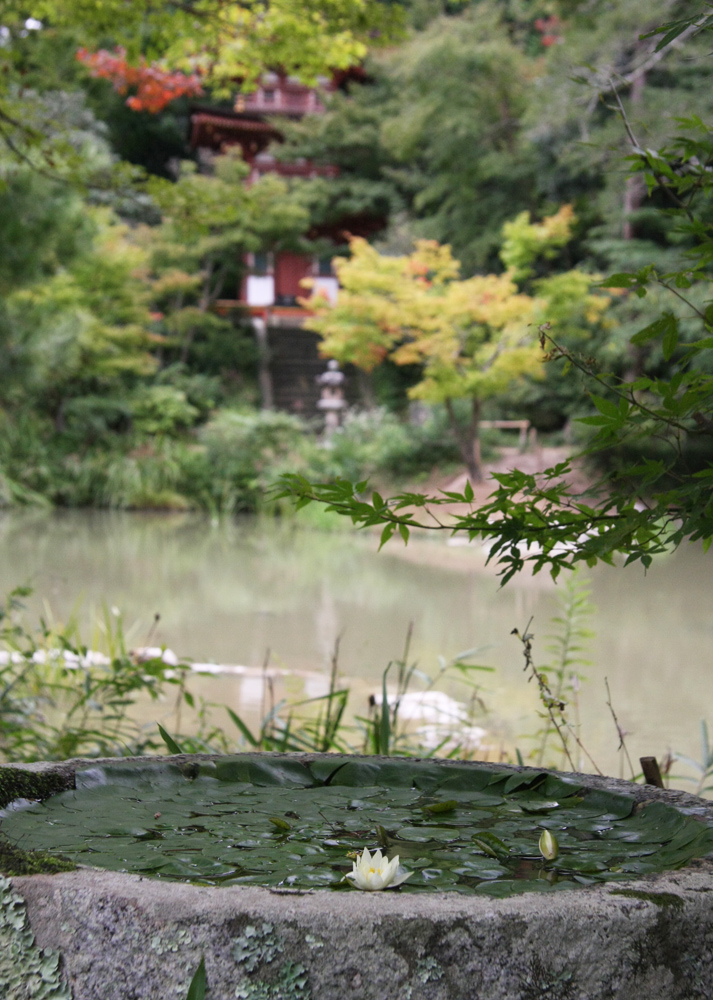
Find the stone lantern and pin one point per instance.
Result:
(331, 398)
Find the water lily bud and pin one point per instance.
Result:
(549, 848)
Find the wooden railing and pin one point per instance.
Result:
(527, 434)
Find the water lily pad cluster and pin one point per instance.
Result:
(253, 819)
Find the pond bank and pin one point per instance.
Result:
(227, 593)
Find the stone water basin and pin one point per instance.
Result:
(242, 860)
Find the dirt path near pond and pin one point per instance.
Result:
(533, 461)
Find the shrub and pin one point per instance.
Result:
(377, 443)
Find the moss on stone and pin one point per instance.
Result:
(14, 861)
(257, 947)
(16, 783)
(20, 784)
(291, 985)
(26, 971)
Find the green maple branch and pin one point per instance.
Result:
(628, 397)
(683, 298)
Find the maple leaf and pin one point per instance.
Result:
(155, 87)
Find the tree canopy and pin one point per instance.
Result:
(168, 49)
(471, 339)
(472, 132)
(642, 504)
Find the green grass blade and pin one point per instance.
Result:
(196, 991)
(384, 739)
(169, 740)
(235, 718)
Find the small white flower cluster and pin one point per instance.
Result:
(373, 871)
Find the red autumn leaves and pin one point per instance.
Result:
(155, 88)
(548, 28)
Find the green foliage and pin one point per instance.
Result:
(43, 225)
(468, 338)
(473, 120)
(456, 136)
(346, 136)
(306, 40)
(476, 118)
(173, 747)
(81, 330)
(136, 453)
(525, 241)
(562, 677)
(196, 259)
(155, 476)
(703, 767)
(377, 443)
(240, 452)
(161, 409)
(100, 391)
(59, 699)
(644, 506)
(672, 30)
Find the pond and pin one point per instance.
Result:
(231, 591)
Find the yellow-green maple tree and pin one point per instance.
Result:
(473, 338)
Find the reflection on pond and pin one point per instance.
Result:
(230, 592)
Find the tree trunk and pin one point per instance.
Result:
(204, 304)
(59, 421)
(264, 375)
(468, 439)
(634, 186)
(365, 381)
(634, 194)
(475, 439)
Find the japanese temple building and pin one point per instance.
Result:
(272, 283)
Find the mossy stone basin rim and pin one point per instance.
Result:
(282, 821)
(130, 937)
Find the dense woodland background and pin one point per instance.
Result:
(120, 384)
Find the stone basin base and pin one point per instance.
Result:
(126, 937)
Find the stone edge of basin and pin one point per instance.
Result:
(127, 936)
(65, 770)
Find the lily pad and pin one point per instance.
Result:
(260, 820)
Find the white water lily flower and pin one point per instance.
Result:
(373, 871)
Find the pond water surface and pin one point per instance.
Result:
(230, 591)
